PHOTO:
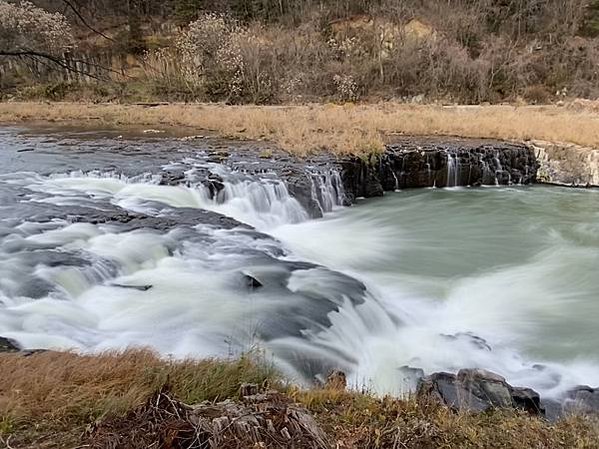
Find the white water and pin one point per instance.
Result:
(514, 267)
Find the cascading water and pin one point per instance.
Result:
(327, 189)
(453, 170)
(100, 260)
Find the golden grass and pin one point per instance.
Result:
(365, 422)
(343, 129)
(48, 399)
(71, 389)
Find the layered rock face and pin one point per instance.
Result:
(436, 162)
(567, 164)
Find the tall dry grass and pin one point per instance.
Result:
(343, 129)
(68, 390)
(365, 422)
(48, 399)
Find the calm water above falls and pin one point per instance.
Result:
(438, 279)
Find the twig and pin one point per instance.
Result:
(78, 14)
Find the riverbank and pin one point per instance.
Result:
(60, 400)
(342, 129)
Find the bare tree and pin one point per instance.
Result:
(34, 34)
(26, 28)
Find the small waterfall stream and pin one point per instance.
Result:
(453, 170)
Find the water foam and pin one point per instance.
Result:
(183, 292)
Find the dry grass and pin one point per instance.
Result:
(69, 390)
(362, 421)
(343, 129)
(48, 399)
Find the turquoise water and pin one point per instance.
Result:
(518, 267)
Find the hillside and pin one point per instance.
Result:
(290, 51)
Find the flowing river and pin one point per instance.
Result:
(96, 253)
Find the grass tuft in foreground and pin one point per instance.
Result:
(65, 392)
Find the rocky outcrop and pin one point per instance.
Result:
(436, 162)
(8, 345)
(478, 390)
(582, 400)
(567, 164)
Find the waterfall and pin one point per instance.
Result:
(498, 167)
(453, 165)
(102, 261)
(327, 189)
(263, 203)
(396, 180)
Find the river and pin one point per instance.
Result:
(96, 253)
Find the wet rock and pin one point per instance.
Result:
(214, 184)
(141, 288)
(527, 399)
(172, 178)
(475, 340)
(478, 390)
(488, 386)
(31, 352)
(361, 179)
(336, 380)
(581, 400)
(300, 187)
(8, 345)
(251, 282)
(553, 409)
(441, 162)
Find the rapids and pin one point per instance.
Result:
(97, 253)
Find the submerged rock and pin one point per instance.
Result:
(478, 390)
(141, 288)
(251, 282)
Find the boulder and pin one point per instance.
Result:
(8, 345)
(478, 390)
(581, 400)
(527, 399)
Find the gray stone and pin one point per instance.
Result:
(528, 400)
(582, 400)
(478, 390)
(9, 345)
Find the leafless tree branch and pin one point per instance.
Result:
(87, 25)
